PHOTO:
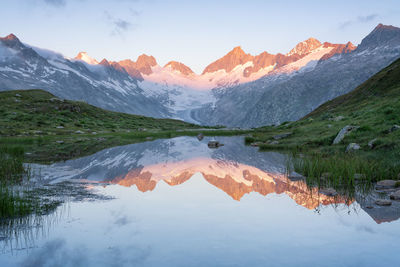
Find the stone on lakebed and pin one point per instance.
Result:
(395, 195)
(330, 192)
(383, 202)
(385, 184)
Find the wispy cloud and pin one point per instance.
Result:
(119, 25)
(367, 18)
(359, 19)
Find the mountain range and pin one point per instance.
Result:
(234, 68)
(237, 90)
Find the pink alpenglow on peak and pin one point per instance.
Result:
(234, 68)
(305, 47)
(86, 58)
(180, 67)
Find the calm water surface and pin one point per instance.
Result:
(178, 203)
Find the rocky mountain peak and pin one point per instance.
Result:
(234, 58)
(144, 64)
(238, 51)
(305, 47)
(146, 60)
(338, 49)
(105, 62)
(182, 68)
(130, 67)
(382, 35)
(85, 57)
(12, 41)
(11, 36)
(350, 46)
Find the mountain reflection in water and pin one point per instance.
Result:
(235, 179)
(234, 168)
(195, 206)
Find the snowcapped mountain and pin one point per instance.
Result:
(238, 89)
(236, 67)
(25, 67)
(179, 67)
(86, 58)
(107, 84)
(295, 89)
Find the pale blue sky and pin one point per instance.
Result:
(193, 32)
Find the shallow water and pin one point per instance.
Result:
(178, 203)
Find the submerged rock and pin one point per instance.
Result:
(342, 133)
(385, 184)
(213, 144)
(352, 147)
(326, 175)
(395, 195)
(79, 132)
(359, 176)
(330, 192)
(383, 202)
(294, 176)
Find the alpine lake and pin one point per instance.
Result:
(177, 202)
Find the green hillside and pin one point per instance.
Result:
(49, 129)
(27, 112)
(374, 107)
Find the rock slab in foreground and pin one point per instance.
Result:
(346, 130)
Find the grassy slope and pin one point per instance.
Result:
(32, 118)
(37, 110)
(374, 106)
